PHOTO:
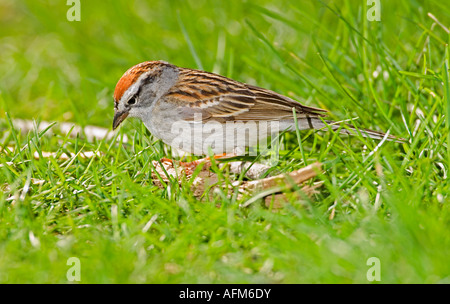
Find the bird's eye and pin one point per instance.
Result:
(132, 100)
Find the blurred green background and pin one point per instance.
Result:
(54, 69)
(389, 202)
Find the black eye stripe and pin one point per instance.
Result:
(149, 79)
(133, 100)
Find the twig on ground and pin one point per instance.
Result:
(270, 189)
(62, 156)
(91, 132)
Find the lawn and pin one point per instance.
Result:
(381, 213)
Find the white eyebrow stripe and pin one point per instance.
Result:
(134, 88)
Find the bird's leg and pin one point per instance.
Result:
(190, 166)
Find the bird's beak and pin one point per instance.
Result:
(119, 116)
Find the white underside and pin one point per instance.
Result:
(233, 137)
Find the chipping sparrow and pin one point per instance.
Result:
(195, 111)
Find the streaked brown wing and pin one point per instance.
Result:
(220, 98)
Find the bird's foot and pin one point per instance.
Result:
(190, 167)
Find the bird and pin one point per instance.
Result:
(197, 111)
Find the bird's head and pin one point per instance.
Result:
(140, 87)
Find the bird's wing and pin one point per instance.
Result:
(220, 98)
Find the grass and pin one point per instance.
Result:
(389, 201)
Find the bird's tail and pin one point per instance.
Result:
(318, 124)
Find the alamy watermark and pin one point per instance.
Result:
(231, 137)
(74, 12)
(73, 274)
(374, 10)
(374, 271)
